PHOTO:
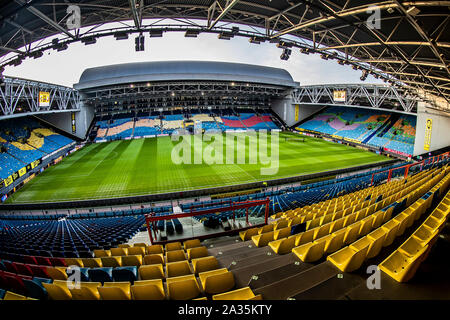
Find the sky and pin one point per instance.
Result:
(66, 67)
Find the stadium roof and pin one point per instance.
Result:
(410, 46)
(181, 71)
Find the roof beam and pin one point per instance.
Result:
(230, 4)
(46, 19)
(136, 9)
(389, 43)
(11, 50)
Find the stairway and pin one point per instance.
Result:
(382, 129)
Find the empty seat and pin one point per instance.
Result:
(401, 267)
(122, 274)
(183, 288)
(150, 272)
(188, 244)
(134, 260)
(238, 294)
(102, 253)
(136, 251)
(351, 233)
(350, 258)
(304, 237)
(217, 281)
(155, 249)
(263, 239)
(156, 258)
(282, 233)
(175, 255)
(100, 274)
(312, 251)
(86, 291)
(74, 262)
(266, 228)
(13, 296)
(335, 241)
(248, 234)
(197, 252)
(180, 268)
(58, 290)
(92, 262)
(148, 290)
(115, 291)
(119, 252)
(283, 246)
(57, 273)
(35, 289)
(205, 264)
(376, 239)
(171, 246)
(113, 261)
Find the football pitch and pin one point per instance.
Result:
(146, 166)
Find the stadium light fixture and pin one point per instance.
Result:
(89, 40)
(224, 36)
(413, 11)
(121, 35)
(140, 43)
(192, 33)
(304, 50)
(156, 33)
(324, 56)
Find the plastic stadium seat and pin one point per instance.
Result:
(13, 296)
(92, 262)
(400, 267)
(134, 260)
(263, 239)
(156, 258)
(248, 234)
(205, 264)
(124, 245)
(35, 289)
(183, 288)
(43, 261)
(282, 233)
(352, 232)
(171, 246)
(58, 262)
(113, 261)
(312, 251)
(176, 269)
(174, 256)
(304, 237)
(74, 262)
(217, 281)
(86, 291)
(155, 249)
(102, 253)
(129, 274)
(283, 246)
(115, 291)
(266, 228)
(23, 269)
(366, 226)
(197, 252)
(2, 294)
(136, 251)
(57, 273)
(100, 275)
(390, 228)
(350, 258)
(148, 290)
(280, 225)
(188, 244)
(119, 252)
(150, 272)
(238, 294)
(39, 271)
(58, 290)
(376, 239)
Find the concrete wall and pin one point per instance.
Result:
(63, 121)
(440, 131)
(285, 108)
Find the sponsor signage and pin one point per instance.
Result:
(428, 129)
(339, 95)
(44, 99)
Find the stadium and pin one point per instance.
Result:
(210, 180)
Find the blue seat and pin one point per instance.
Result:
(2, 293)
(128, 274)
(35, 288)
(297, 228)
(100, 275)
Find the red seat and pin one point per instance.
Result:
(30, 260)
(39, 271)
(23, 269)
(43, 261)
(58, 262)
(10, 266)
(15, 284)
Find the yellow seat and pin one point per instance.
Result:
(176, 269)
(217, 281)
(150, 272)
(304, 237)
(376, 239)
(133, 251)
(400, 267)
(412, 246)
(124, 245)
(155, 249)
(115, 252)
(263, 239)
(57, 273)
(335, 241)
(148, 290)
(115, 291)
(58, 290)
(135, 260)
(102, 253)
(86, 291)
(155, 258)
(92, 262)
(205, 264)
(140, 244)
(238, 294)
(337, 225)
(433, 223)
(387, 214)
(322, 231)
(351, 233)
(312, 251)
(188, 244)
(424, 234)
(74, 262)
(266, 228)
(366, 226)
(282, 246)
(197, 252)
(294, 221)
(171, 246)
(282, 233)
(390, 228)
(175, 255)
(13, 296)
(377, 219)
(113, 261)
(350, 219)
(402, 220)
(248, 234)
(183, 288)
(350, 258)
(281, 225)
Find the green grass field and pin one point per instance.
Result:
(138, 167)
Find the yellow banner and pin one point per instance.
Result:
(22, 171)
(296, 112)
(428, 129)
(44, 99)
(339, 95)
(8, 181)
